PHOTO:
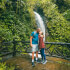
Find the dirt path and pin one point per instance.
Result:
(24, 63)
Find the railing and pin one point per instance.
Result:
(54, 49)
(58, 49)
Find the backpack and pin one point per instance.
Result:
(34, 33)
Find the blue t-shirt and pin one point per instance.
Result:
(35, 37)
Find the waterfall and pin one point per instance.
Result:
(40, 23)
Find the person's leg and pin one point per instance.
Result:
(41, 54)
(44, 56)
(36, 55)
(36, 52)
(32, 56)
(33, 59)
(33, 50)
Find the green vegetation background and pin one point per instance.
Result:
(17, 19)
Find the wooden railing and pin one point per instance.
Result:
(54, 49)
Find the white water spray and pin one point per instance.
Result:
(40, 23)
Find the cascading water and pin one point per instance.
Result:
(40, 23)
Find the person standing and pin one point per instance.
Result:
(42, 48)
(34, 44)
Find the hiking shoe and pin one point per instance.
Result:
(42, 61)
(45, 62)
(33, 64)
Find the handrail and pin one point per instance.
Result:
(57, 45)
(62, 43)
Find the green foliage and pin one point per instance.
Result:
(3, 66)
(57, 25)
(66, 14)
(16, 20)
(63, 5)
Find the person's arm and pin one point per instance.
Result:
(32, 34)
(41, 42)
(42, 36)
(31, 40)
